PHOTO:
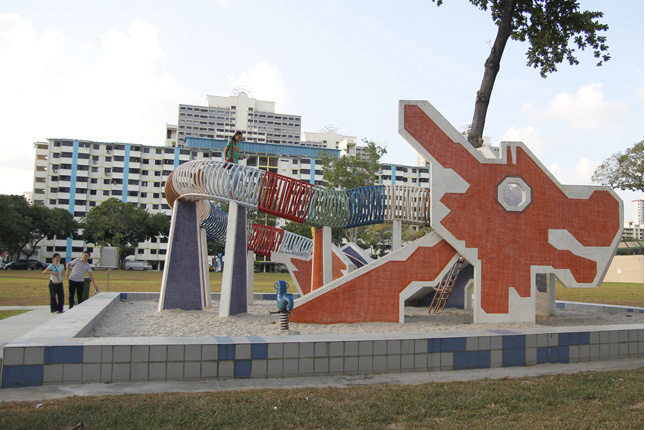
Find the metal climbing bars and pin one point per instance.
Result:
(290, 199)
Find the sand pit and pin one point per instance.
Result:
(140, 318)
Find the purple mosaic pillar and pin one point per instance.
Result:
(233, 299)
(183, 282)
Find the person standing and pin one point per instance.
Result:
(56, 272)
(76, 270)
(232, 149)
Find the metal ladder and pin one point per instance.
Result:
(443, 290)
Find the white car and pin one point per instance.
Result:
(137, 265)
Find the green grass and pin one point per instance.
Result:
(30, 288)
(600, 400)
(609, 293)
(7, 314)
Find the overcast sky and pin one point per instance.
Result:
(117, 70)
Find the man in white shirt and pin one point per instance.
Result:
(76, 270)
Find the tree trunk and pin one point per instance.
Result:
(491, 67)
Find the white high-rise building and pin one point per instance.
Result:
(222, 116)
(637, 207)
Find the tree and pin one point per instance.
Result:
(23, 226)
(550, 28)
(353, 171)
(123, 225)
(622, 170)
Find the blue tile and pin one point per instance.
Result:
(584, 338)
(223, 339)
(630, 310)
(459, 360)
(542, 355)
(483, 359)
(641, 311)
(259, 351)
(574, 338)
(519, 341)
(508, 342)
(552, 352)
(559, 305)
(123, 296)
(508, 357)
(73, 354)
(434, 345)
(563, 354)
(226, 352)
(256, 339)
(563, 339)
(32, 375)
(472, 359)
(53, 354)
(520, 356)
(459, 344)
(243, 369)
(11, 376)
(447, 344)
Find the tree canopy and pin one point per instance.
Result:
(554, 30)
(123, 225)
(353, 171)
(623, 170)
(24, 225)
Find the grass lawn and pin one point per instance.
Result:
(610, 293)
(600, 400)
(7, 314)
(30, 288)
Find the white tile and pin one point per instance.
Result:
(194, 352)
(407, 346)
(175, 352)
(365, 364)
(157, 371)
(321, 366)
(175, 370)
(336, 365)
(209, 353)
(120, 372)
(243, 352)
(393, 347)
(275, 350)
(139, 372)
(158, 353)
(274, 368)
(192, 370)
(92, 354)
(351, 349)
(226, 369)
(306, 350)
(336, 349)
(121, 354)
(421, 362)
(306, 367)
(350, 365)
(34, 355)
(91, 372)
(258, 368)
(140, 353)
(106, 372)
(13, 356)
(209, 369)
(421, 346)
(72, 373)
(321, 349)
(407, 362)
(52, 373)
(290, 367)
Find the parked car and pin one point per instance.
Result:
(98, 266)
(137, 265)
(26, 265)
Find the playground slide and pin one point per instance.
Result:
(377, 291)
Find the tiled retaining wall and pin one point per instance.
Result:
(56, 353)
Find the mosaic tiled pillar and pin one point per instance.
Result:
(183, 285)
(234, 285)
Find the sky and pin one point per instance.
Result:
(116, 72)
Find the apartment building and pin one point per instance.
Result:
(222, 116)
